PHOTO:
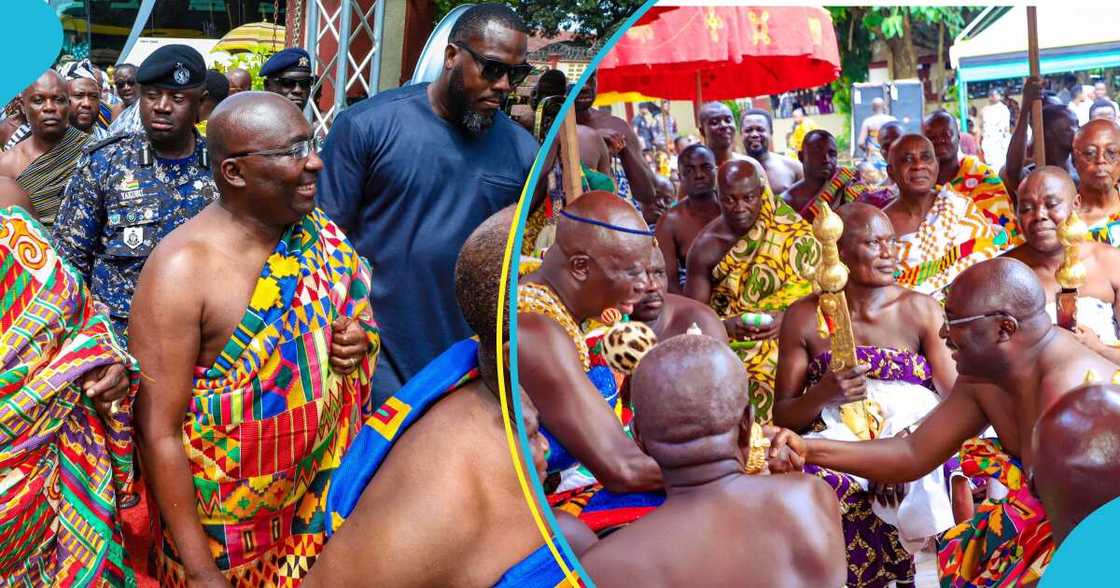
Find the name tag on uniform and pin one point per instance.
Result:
(133, 236)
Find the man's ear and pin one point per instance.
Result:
(230, 169)
(450, 53)
(1007, 329)
(579, 266)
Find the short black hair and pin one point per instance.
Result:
(1101, 103)
(473, 22)
(127, 66)
(217, 86)
(688, 151)
(814, 134)
(758, 112)
(478, 276)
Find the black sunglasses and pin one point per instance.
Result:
(124, 83)
(289, 84)
(493, 70)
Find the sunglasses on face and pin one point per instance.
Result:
(124, 83)
(289, 84)
(493, 70)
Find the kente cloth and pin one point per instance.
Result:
(1107, 230)
(1008, 542)
(900, 384)
(545, 214)
(269, 421)
(63, 468)
(981, 184)
(602, 510)
(45, 178)
(448, 372)
(765, 272)
(844, 187)
(539, 570)
(22, 132)
(954, 236)
(1094, 313)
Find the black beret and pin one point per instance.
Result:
(174, 67)
(217, 86)
(290, 58)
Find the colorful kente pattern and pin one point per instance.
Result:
(63, 468)
(844, 186)
(270, 420)
(954, 236)
(1008, 542)
(1107, 230)
(766, 271)
(981, 184)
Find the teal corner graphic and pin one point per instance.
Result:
(1084, 557)
(31, 40)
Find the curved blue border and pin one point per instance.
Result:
(531, 185)
(33, 33)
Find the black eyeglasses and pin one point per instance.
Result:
(289, 84)
(124, 83)
(299, 150)
(493, 70)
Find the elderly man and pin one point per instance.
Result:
(44, 162)
(1046, 199)
(124, 80)
(690, 394)
(749, 265)
(288, 73)
(65, 449)
(632, 176)
(967, 175)
(758, 131)
(410, 215)
(130, 191)
(826, 182)
(259, 379)
(670, 314)
(941, 233)
(85, 97)
(448, 447)
(1096, 154)
(679, 226)
(1013, 364)
(905, 367)
(128, 120)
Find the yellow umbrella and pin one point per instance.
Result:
(609, 98)
(248, 37)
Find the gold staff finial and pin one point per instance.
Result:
(1071, 274)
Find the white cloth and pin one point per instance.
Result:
(1094, 313)
(926, 510)
(128, 121)
(995, 133)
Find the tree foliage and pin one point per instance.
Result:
(588, 21)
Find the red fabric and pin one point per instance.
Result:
(138, 524)
(738, 51)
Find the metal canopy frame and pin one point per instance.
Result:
(342, 70)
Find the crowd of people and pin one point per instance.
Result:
(328, 409)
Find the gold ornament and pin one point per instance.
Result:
(538, 298)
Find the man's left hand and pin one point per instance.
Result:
(768, 332)
(349, 345)
(104, 386)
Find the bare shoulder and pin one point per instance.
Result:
(185, 253)
(1107, 256)
(709, 246)
(802, 313)
(923, 305)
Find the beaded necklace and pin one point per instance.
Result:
(540, 298)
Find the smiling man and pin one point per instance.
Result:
(43, 163)
(754, 259)
(717, 126)
(940, 232)
(409, 173)
(131, 190)
(826, 182)
(758, 131)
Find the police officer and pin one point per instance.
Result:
(132, 189)
(288, 73)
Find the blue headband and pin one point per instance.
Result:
(605, 225)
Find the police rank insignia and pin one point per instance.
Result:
(303, 62)
(181, 75)
(133, 236)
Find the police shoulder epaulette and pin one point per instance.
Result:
(94, 146)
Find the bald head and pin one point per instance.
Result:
(998, 284)
(1077, 455)
(239, 80)
(1095, 130)
(710, 109)
(717, 124)
(857, 217)
(46, 105)
(888, 134)
(687, 388)
(242, 121)
(603, 207)
(739, 172)
(878, 106)
(1048, 179)
(478, 276)
(49, 79)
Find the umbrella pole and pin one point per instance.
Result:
(696, 106)
(1035, 69)
(569, 152)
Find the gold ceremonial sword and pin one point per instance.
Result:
(1071, 274)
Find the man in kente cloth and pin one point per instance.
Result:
(632, 177)
(671, 314)
(1059, 125)
(749, 265)
(1096, 154)
(968, 176)
(1013, 364)
(598, 263)
(758, 130)
(940, 232)
(717, 126)
(43, 164)
(259, 375)
(1077, 461)
(679, 226)
(1046, 199)
(905, 367)
(440, 441)
(718, 526)
(826, 182)
(65, 449)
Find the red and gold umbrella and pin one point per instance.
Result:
(724, 52)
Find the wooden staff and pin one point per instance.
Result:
(832, 276)
(1071, 274)
(696, 106)
(1035, 69)
(569, 152)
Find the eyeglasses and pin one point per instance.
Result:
(1111, 154)
(493, 70)
(124, 83)
(289, 84)
(968, 319)
(298, 150)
